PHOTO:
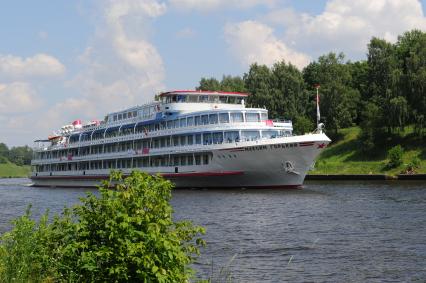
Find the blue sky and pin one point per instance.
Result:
(67, 60)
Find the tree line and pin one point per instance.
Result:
(20, 155)
(383, 94)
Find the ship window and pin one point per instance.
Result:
(213, 119)
(207, 138)
(115, 117)
(168, 141)
(176, 160)
(175, 123)
(263, 116)
(192, 98)
(182, 140)
(213, 98)
(252, 117)
(224, 118)
(204, 119)
(250, 135)
(183, 160)
(175, 141)
(163, 142)
(182, 122)
(204, 98)
(111, 132)
(231, 99)
(198, 138)
(174, 98)
(190, 140)
(269, 134)
(190, 121)
(197, 160)
(190, 160)
(135, 113)
(223, 99)
(127, 129)
(237, 117)
(205, 159)
(74, 138)
(169, 124)
(238, 100)
(181, 98)
(217, 138)
(197, 120)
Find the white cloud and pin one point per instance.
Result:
(251, 42)
(40, 65)
(120, 67)
(348, 26)
(18, 97)
(208, 5)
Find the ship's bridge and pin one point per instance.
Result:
(195, 100)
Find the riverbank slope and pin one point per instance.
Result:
(11, 170)
(345, 155)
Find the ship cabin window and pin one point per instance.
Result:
(85, 136)
(182, 140)
(213, 119)
(198, 139)
(74, 138)
(223, 99)
(252, 117)
(182, 122)
(115, 117)
(207, 138)
(112, 132)
(197, 120)
(203, 98)
(223, 118)
(218, 138)
(206, 159)
(263, 116)
(250, 135)
(197, 160)
(237, 117)
(204, 119)
(190, 140)
(120, 116)
(233, 136)
(98, 134)
(124, 115)
(213, 99)
(192, 98)
(190, 121)
(270, 134)
(181, 98)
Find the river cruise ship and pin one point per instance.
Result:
(196, 139)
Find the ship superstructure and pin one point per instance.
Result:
(193, 138)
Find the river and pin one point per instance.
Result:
(325, 232)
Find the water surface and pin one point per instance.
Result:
(326, 232)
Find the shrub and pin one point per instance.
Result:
(395, 156)
(412, 166)
(125, 234)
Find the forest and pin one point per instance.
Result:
(383, 95)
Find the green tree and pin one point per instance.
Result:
(339, 101)
(234, 84)
(4, 153)
(127, 234)
(21, 155)
(207, 84)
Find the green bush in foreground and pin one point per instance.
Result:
(125, 235)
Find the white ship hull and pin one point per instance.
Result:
(274, 163)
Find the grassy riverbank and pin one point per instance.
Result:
(345, 155)
(10, 170)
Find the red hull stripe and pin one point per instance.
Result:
(167, 175)
(306, 143)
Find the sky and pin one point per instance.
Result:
(66, 60)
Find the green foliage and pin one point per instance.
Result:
(303, 125)
(20, 155)
(395, 156)
(228, 83)
(280, 89)
(125, 234)
(412, 167)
